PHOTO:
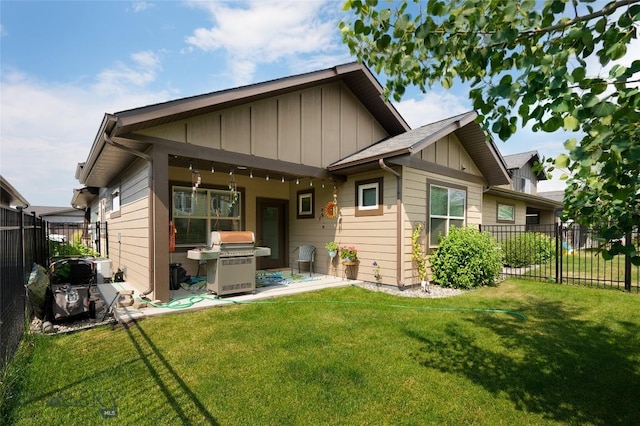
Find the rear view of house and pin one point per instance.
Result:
(302, 160)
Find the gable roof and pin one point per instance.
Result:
(9, 196)
(517, 161)
(475, 141)
(355, 76)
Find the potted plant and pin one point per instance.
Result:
(332, 247)
(348, 253)
(418, 256)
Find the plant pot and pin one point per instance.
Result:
(333, 253)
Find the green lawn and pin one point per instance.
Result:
(349, 356)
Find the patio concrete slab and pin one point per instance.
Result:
(183, 300)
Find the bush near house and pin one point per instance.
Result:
(73, 248)
(467, 258)
(529, 248)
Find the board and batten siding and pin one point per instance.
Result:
(448, 151)
(129, 231)
(315, 127)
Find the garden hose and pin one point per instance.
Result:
(188, 301)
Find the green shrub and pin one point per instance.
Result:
(72, 248)
(529, 248)
(466, 258)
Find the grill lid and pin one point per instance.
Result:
(231, 238)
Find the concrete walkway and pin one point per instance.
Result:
(183, 300)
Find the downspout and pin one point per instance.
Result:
(107, 139)
(399, 226)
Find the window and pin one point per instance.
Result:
(197, 213)
(115, 202)
(447, 207)
(505, 212)
(521, 184)
(305, 204)
(369, 197)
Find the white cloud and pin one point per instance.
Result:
(259, 32)
(116, 80)
(432, 106)
(47, 128)
(141, 6)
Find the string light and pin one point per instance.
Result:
(267, 177)
(251, 174)
(310, 183)
(282, 180)
(212, 169)
(297, 181)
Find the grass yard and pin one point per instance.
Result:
(348, 356)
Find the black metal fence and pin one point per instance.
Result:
(563, 253)
(23, 242)
(74, 239)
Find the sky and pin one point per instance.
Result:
(64, 64)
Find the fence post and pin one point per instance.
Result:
(627, 262)
(558, 232)
(106, 238)
(21, 244)
(98, 237)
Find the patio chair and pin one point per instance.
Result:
(306, 254)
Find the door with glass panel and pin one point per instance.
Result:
(271, 224)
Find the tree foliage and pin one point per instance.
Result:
(555, 65)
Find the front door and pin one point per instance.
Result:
(271, 232)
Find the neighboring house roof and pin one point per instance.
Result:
(47, 212)
(355, 76)
(9, 196)
(83, 197)
(535, 201)
(519, 160)
(475, 141)
(552, 195)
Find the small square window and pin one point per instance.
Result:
(369, 197)
(305, 204)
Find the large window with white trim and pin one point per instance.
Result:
(197, 213)
(447, 207)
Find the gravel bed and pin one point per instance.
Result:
(433, 291)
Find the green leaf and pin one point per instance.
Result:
(552, 124)
(571, 123)
(578, 74)
(606, 255)
(603, 109)
(562, 160)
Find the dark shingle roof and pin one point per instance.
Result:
(516, 161)
(481, 149)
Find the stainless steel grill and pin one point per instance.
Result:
(235, 268)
